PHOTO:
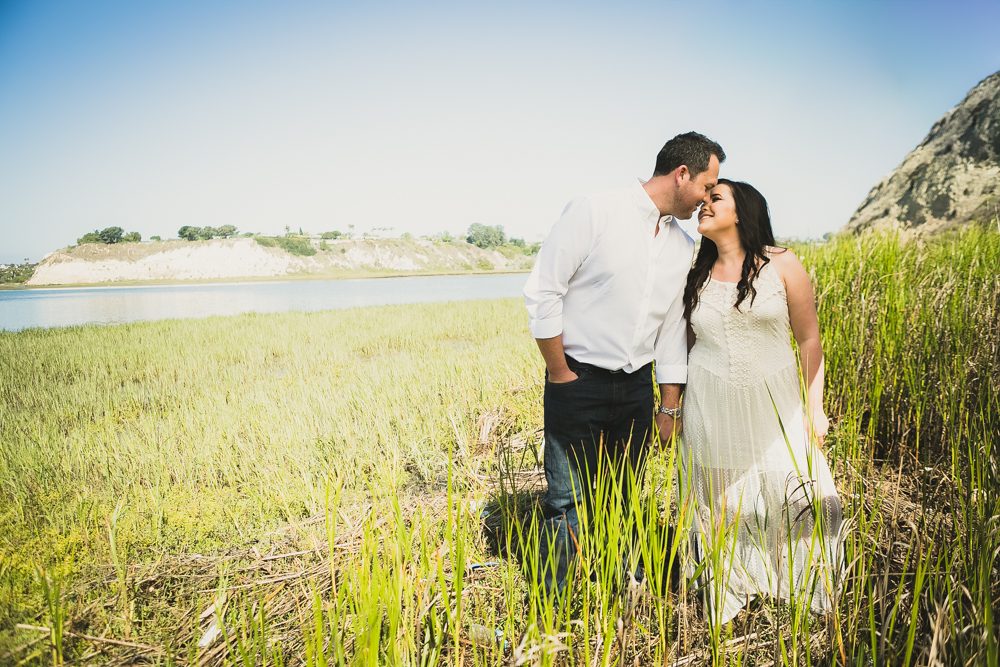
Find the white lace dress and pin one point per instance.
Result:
(767, 518)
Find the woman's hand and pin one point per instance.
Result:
(817, 425)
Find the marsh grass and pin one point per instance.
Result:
(362, 487)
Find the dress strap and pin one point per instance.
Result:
(769, 272)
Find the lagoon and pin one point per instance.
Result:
(61, 307)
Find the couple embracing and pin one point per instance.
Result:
(614, 302)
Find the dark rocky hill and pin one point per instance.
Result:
(951, 178)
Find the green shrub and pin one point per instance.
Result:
(109, 235)
(16, 273)
(297, 245)
(294, 245)
(189, 233)
(521, 246)
(486, 236)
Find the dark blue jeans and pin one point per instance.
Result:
(599, 422)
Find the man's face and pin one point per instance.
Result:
(695, 190)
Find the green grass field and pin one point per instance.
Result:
(280, 489)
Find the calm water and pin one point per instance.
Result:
(22, 309)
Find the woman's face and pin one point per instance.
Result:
(718, 216)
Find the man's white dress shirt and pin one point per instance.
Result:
(612, 289)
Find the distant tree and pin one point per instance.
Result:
(111, 234)
(407, 236)
(154, 237)
(131, 237)
(90, 237)
(16, 273)
(227, 231)
(486, 236)
(189, 233)
(331, 235)
(207, 233)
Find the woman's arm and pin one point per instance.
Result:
(805, 328)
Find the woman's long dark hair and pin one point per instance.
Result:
(755, 233)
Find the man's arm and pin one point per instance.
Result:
(670, 397)
(670, 351)
(555, 359)
(560, 256)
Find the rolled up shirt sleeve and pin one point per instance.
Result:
(670, 349)
(560, 256)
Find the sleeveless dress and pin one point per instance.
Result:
(766, 516)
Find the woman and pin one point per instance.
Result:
(768, 518)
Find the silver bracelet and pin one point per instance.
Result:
(670, 412)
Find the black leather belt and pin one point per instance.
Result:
(571, 362)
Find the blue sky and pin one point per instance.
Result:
(426, 117)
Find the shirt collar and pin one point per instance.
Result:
(650, 214)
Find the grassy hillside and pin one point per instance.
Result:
(271, 257)
(312, 487)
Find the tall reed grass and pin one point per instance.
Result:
(360, 487)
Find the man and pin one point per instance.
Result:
(605, 302)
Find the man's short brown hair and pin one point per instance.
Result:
(691, 149)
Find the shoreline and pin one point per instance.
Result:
(250, 280)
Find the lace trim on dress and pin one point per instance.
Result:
(768, 284)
